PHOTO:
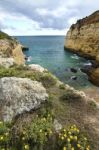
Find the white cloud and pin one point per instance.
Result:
(43, 16)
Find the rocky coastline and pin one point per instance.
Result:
(83, 39)
(37, 110)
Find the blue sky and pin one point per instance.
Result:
(43, 17)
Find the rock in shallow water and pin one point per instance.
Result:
(19, 95)
(73, 70)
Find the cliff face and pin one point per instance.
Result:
(83, 37)
(10, 48)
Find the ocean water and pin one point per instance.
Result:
(48, 51)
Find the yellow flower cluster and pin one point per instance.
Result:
(71, 139)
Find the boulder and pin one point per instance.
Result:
(94, 76)
(36, 67)
(7, 62)
(19, 95)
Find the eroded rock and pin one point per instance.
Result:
(37, 67)
(19, 95)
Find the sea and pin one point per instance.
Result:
(48, 51)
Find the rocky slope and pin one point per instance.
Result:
(35, 105)
(83, 39)
(26, 92)
(10, 48)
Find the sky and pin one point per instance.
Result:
(43, 17)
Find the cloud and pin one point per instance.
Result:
(40, 15)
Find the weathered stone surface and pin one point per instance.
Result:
(11, 48)
(7, 62)
(83, 39)
(36, 67)
(19, 95)
(94, 76)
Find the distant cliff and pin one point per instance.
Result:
(83, 39)
(10, 49)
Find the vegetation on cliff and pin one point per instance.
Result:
(4, 36)
(37, 129)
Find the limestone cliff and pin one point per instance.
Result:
(83, 37)
(10, 48)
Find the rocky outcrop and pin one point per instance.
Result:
(7, 62)
(83, 38)
(10, 48)
(36, 67)
(19, 95)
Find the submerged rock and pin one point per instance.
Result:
(73, 78)
(19, 95)
(73, 70)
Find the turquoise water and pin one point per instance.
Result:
(48, 51)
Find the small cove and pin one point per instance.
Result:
(48, 51)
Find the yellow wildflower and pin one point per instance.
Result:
(65, 135)
(26, 147)
(1, 122)
(68, 140)
(45, 133)
(78, 145)
(64, 148)
(1, 138)
(50, 132)
(40, 130)
(6, 133)
(49, 115)
(44, 119)
(72, 148)
(75, 137)
(24, 132)
(88, 147)
(69, 133)
(62, 138)
(64, 130)
(23, 138)
(85, 138)
(77, 130)
(71, 137)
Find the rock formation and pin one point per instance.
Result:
(10, 48)
(19, 95)
(83, 39)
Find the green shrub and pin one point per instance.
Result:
(48, 80)
(62, 86)
(4, 135)
(40, 135)
(4, 35)
(38, 132)
(70, 96)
